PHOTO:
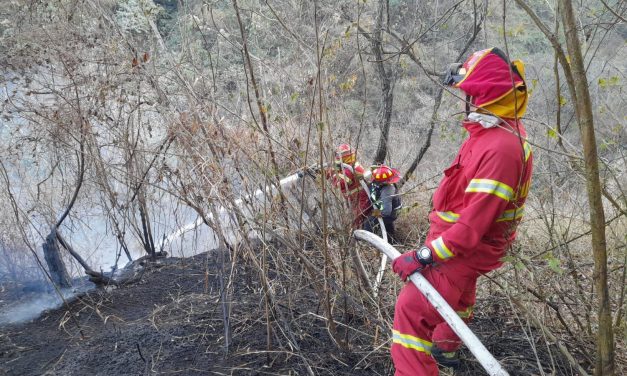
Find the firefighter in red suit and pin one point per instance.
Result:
(346, 176)
(476, 208)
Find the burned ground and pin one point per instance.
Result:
(171, 322)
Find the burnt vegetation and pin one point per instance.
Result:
(155, 134)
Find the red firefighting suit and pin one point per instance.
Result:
(347, 179)
(475, 211)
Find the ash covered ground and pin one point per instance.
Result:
(171, 322)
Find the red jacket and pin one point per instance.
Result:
(347, 180)
(480, 200)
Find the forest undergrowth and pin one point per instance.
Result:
(171, 322)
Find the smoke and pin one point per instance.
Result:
(31, 304)
(31, 295)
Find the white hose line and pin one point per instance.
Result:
(377, 282)
(384, 235)
(222, 211)
(489, 363)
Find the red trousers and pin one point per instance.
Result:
(418, 326)
(360, 206)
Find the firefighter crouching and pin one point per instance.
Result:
(476, 208)
(386, 202)
(346, 175)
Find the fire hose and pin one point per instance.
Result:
(384, 235)
(286, 182)
(487, 361)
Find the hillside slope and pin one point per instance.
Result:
(171, 322)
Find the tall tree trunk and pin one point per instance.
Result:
(52, 253)
(605, 338)
(387, 83)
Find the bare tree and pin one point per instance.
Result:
(386, 77)
(577, 82)
(583, 109)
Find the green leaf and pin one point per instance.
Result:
(294, 97)
(320, 126)
(554, 264)
(612, 81)
(563, 100)
(618, 128)
(507, 259)
(551, 133)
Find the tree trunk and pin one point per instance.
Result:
(387, 84)
(55, 263)
(605, 338)
(148, 241)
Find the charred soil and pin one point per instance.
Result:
(173, 322)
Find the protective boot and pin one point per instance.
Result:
(446, 359)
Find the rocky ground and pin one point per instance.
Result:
(172, 322)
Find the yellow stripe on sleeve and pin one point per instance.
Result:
(441, 249)
(493, 187)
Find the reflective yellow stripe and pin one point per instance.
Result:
(441, 249)
(465, 313)
(508, 215)
(449, 216)
(527, 148)
(492, 187)
(411, 342)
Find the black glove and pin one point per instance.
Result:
(452, 75)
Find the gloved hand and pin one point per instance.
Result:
(411, 262)
(376, 213)
(453, 74)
